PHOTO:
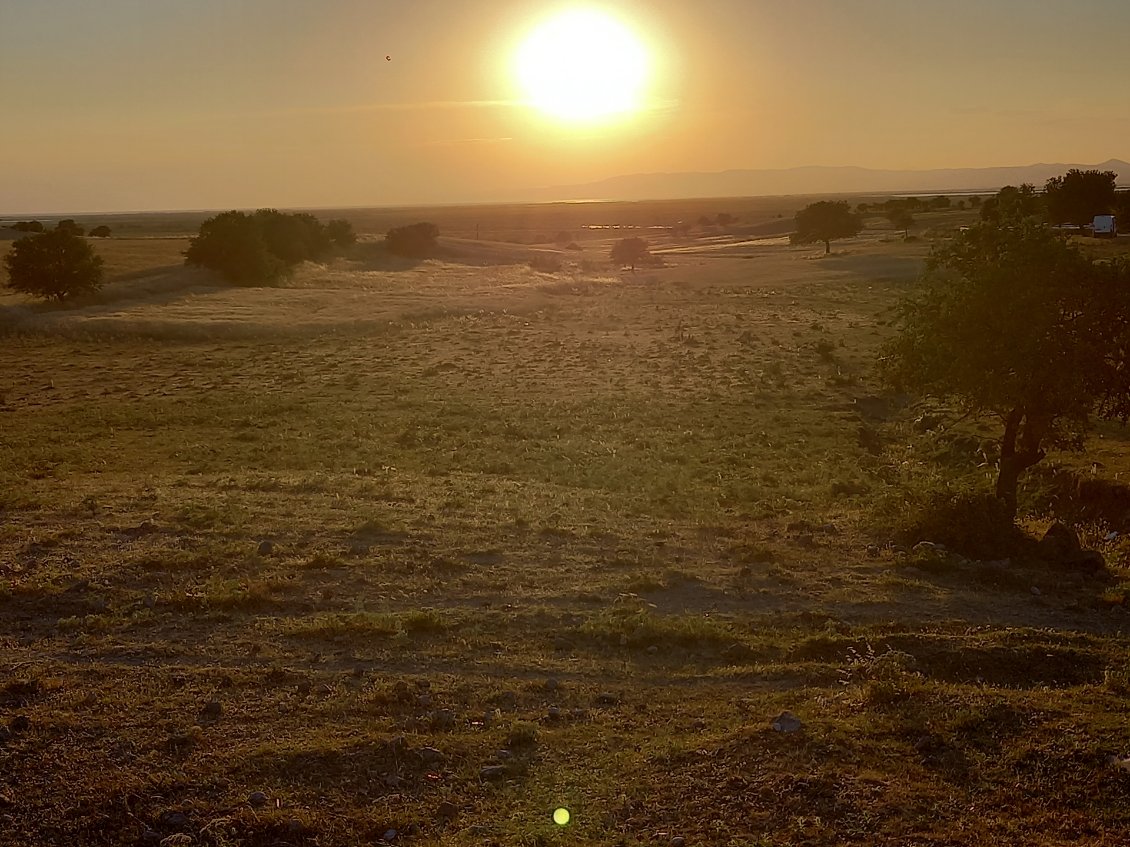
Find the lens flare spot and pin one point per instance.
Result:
(561, 816)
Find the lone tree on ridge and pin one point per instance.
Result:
(630, 251)
(53, 265)
(825, 221)
(1015, 323)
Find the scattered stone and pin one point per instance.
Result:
(1035, 591)
(553, 713)
(652, 650)
(507, 701)
(443, 719)
(266, 548)
(607, 698)
(424, 700)
(504, 755)
(1059, 543)
(447, 811)
(174, 820)
(787, 722)
(678, 841)
(579, 714)
(492, 773)
(423, 684)
(212, 711)
(431, 756)
(929, 547)
(257, 800)
(873, 551)
(20, 723)
(552, 684)
(389, 835)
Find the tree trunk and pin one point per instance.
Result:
(827, 246)
(1029, 430)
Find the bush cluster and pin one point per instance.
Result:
(414, 241)
(263, 246)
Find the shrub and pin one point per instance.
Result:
(260, 248)
(341, 233)
(414, 241)
(53, 265)
(977, 525)
(102, 231)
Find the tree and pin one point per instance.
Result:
(232, 244)
(900, 218)
(1078, 196)
(630, 251)
(28, 226)
(825, 221)
(69, 225)
(341, 233)
(102, 231)
(1014, 322)
(1012, 205)
(53, 265)
(414, 240)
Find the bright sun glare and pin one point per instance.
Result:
(583, 65)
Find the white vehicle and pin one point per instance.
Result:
(1105, 226)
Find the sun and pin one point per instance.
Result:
(583, 65)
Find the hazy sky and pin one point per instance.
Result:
(169, 104)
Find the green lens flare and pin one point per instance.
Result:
(561, 816)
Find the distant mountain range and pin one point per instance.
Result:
(813, 180)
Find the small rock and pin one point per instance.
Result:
(507, 701)
(20, 723)
(553, 713)
(389, 835)
(257, 800)
(607, 698)
(1059, 543)
(492, 773)
(212, 711)
(504, 755)
(929, 547)
(552, 684)
(424, 700)
(443, 719)
(787, 722)
(678, 841)
(430, 755)
(174, 821)
(447, 811)
(423, 684)
(578, 714)
(1035, 591)
(266, 548)
(652, 650)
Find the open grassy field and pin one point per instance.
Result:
(419, 552)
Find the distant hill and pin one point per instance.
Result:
(812, 180)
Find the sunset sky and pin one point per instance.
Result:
(199, 104)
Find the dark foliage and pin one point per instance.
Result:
(27, 226)
(414, 241)
(1078, 196)
(68, 225)
(1013, 205)
(102, 231)
(1014, 322)
(341, 233)
(631, 252)
(261, 247)
(825, 221)
(53, 265)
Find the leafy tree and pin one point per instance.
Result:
(825, 221)
(1078, 196)
(28, 226)
(69, 225)
(1012, 205)
(414, 240)
(233, 245)
(341, 233)
(900, 218)
(940, 203)
(53, 265)
(295, 237)
(975, 202)
(630, 251)
(102, 231)
(1016, 323)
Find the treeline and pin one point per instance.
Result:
(66, 225)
